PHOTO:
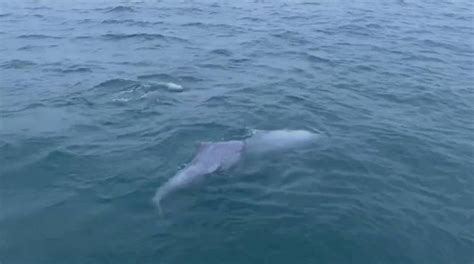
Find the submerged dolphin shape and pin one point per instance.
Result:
(217, 156)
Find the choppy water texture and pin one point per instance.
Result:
(103, 101)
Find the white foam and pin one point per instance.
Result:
(173, 86)
(121, 100)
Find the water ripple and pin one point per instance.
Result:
(120, 9)
(17, 64)
(141, 36)
(101, 103)
(38, 36)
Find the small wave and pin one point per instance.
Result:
(23, 108)
(241, 60)
(146, 36)
(38, 8)
(446, 46)
(310, 3)
(124, 91)
(120, 9)
(220, 26)
(33, 105)
(130, 22)
(17, 64)
(190, 10)
(355, 30)
(217, 100)
(74, 100)
(317, 59)
(163, 77)
(148, 91)
(302, 72)
(212, 66)
(5, 15)
(190, 79)
(142, 36)
(363, 68)
(118, 84)
(193, 24)
(292, 36)
(135, 63)
(116, 21)
(85, 21)
(158, 76)
(271, 68)
(292, 99)
(252, 19)
(76, 70)
(222, 52)
(294, 17)
(417, 31)
(145, 23)
(424, 58)
(28, 47)
(80, 11)
(83, 37)
(375, 26)
(37, 36)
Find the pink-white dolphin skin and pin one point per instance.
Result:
(210, 157)
(217, 156)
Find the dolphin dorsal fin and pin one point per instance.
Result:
(203, 144)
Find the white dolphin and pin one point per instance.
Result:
(217, 156)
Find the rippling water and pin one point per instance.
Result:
(101, 103)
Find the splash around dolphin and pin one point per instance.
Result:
(218, 156)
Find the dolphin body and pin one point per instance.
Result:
(218, 156)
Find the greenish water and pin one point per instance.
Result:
(93, 120)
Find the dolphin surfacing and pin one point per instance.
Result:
(217, 156)
(210, 158)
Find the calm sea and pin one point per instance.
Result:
(102, 101)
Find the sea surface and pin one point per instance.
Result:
(102, 101)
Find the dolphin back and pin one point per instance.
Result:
(266, 141)
(216, 156)
(210, 157)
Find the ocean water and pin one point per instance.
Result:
(102, 101)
